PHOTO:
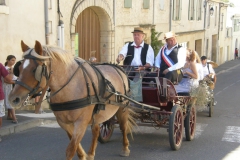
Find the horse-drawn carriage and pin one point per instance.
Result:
(83, 94)
(161, 106)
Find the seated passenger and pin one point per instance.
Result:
(138, 54)
(190, 73)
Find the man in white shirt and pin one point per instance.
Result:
(208, 69)
(137, 54)
(171, 58)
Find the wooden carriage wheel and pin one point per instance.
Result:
(176, 127)
(106, 130)
(190, 123)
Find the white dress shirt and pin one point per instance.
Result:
(200, 71)
(182, 53)
(137, 54)
(205, 70)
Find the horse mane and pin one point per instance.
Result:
(56, 53)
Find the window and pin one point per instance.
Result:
(236, 25)
(162, 4)
(191, 10)
(127, 3)
(146, 4)
(209, 15)
(199, 10)
(177, 7)
(207, 47)
(2, 2)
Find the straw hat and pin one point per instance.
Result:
(214, 65)
(169, 35)
(137, 29)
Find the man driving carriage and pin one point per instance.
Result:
(137, 54)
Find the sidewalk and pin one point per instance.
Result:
(28, 119)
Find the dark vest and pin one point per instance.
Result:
(173, 55)
(130, 54)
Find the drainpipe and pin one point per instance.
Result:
(204, 27)
(153, 12)
(46, 21)
(60, 29)
(62, 35)
(218, 43)
(170, 16)
(114, 21)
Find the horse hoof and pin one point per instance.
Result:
(125, 153)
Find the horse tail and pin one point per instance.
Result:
(127, 119)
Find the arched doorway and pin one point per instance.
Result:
(88, 29)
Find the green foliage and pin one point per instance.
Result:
(226, 1)
(155, 43)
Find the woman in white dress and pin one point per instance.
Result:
(190, 73)
(199, 67)
(7, 87)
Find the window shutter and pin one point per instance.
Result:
(127, 3)
(146, 4)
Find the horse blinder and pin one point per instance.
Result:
(40, 71)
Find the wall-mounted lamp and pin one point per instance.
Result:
(211, 11)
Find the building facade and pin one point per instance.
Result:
(100, 28)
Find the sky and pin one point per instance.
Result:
(231, 11)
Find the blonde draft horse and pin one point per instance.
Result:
(69, 83)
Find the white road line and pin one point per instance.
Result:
(232, 84)
(232, 134)
(218, 93)
(225, 88)
(199, 129)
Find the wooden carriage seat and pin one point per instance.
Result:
(159, 94)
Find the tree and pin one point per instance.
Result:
(155, 43)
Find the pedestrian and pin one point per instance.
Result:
(7, 87)
(236, 53)
(137, 54)
(37, 97)
(7, 77)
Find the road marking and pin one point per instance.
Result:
(218, 93)
(199, 129)
(232, 84)
(225, 88)
(232, 134)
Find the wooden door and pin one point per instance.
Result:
(88, 29)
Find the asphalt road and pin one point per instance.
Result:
(216, 138)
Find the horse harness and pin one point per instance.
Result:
(98, 99)
(39, 73)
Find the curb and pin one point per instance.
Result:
(24, 126)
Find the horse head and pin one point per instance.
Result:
(33, 74)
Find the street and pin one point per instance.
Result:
(216, 138)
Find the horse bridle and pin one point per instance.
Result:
(39, 72)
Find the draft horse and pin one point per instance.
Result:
(79, 94)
